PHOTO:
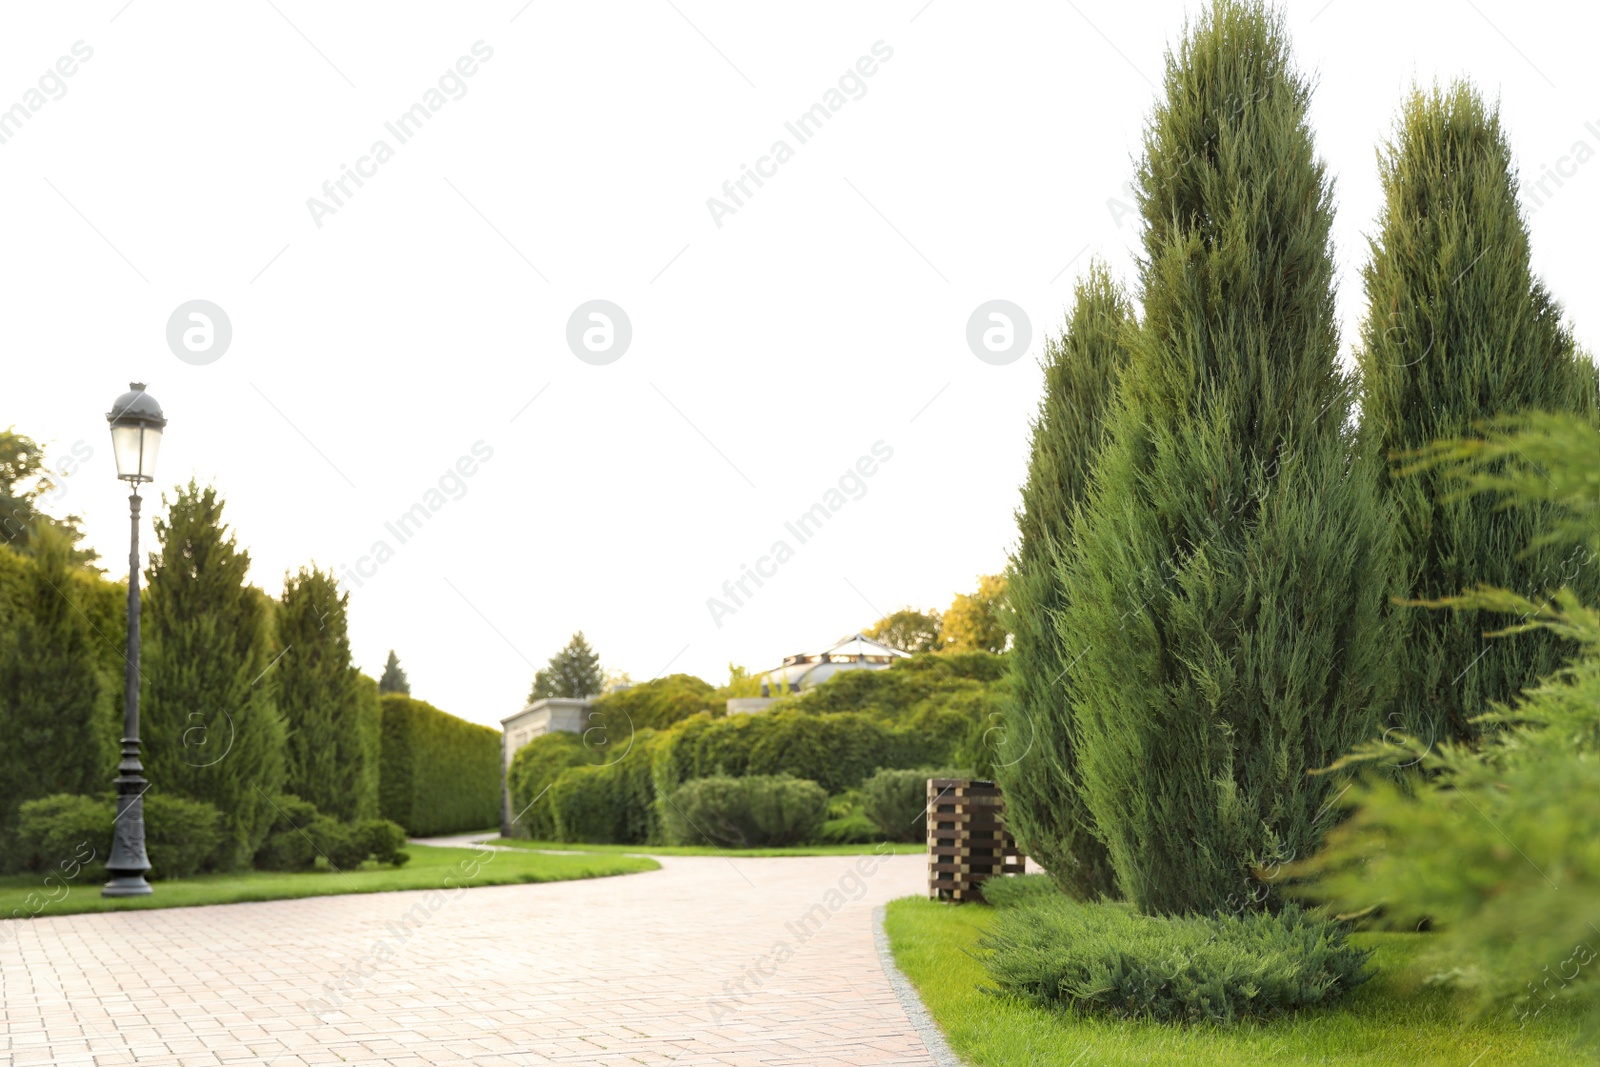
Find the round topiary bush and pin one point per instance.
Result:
(753, 812)
(896, 802)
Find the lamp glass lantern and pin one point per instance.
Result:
(136, 425)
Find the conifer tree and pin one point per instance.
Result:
(211, 727)
(1459, 330)
(53, 711)
(572, 672)
(1037, 759)
(394, 679)
(318, 696)
(1222, 574)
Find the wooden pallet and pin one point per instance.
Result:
(967, 838)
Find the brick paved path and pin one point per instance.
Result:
(707, 961)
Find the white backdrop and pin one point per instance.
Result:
(375, 345)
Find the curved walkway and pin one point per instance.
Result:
(706, 961)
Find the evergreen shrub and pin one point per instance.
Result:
(609, 803)
(1104, 958)
(896, 802)
(182, 837)
(751, 812)
(534, 769)
(54, 828)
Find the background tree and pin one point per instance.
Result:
(24, 485)
(1222, 579)
(54, 713)
(1036, 762)
(976, 621)
(1460, 330)
(741, 683)
(317, 691)
(212, 729)
(909, 629)
(394, 679)
(573, 672)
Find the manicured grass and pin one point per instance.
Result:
(430, 868)
(890, 848)
(1384, 1022)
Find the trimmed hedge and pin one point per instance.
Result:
(925, 712)
(928, 678)
(837, 751)
(1107, 959)
(754, 812)
(368, 738)
(610, 803)
(653, 705)
(534, 770)
(952, 701)
(439, 774)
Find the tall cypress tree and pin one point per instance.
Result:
(317, 692)
(212, 729)
(1221, 582)
(53, 712)
(1037, 762)
(1460, 330)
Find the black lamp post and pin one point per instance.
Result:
(136, 425)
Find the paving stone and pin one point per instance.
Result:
(709, 961)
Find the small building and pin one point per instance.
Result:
(806, 670)
(568, 714)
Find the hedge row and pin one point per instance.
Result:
(609, 803)
(439, 774)
(563, 790)
(534, 770)
(837, 751)
(73, 833)
(653, 705)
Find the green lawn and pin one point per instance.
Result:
(888, 848)
(1381, 1023)
(430, 868)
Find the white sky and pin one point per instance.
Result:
(827, 314)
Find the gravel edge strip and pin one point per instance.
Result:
(938, 1048)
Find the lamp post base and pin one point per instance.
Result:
(128, 860)
(127, 885)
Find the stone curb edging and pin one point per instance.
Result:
(938, 1048)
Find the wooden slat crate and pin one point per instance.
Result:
(967, 838)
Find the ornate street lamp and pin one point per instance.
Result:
(136, 425)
